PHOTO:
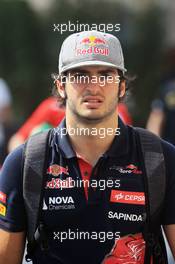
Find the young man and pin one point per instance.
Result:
(103, 219)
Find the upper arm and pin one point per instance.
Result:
(12, 209)
(12, 212)
(11, 247)
(170, 235)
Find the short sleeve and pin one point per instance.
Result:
(168, 215)
(12, 213)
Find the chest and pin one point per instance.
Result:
(116, 197)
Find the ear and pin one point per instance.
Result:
(122, 88)
(61, 88)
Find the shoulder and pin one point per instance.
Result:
(15, 156)
(168, 215)
(169, 160)
(12, 167)
(169, 156)
(167, 148)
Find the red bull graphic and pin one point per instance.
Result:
(127, 250)
(85, 41)
(99, 41)
(92, 41)
(94, 46)
(56, 170)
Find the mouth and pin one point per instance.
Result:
(92, 102)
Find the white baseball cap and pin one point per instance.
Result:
(91, 48)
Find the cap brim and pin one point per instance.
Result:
(92, 63)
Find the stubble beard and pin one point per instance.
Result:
(93, 119)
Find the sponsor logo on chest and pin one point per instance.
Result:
(61, 200)
(125, 216)
(119, 196)
(59, 203)
(56, 182)
(56, 170)
(128, 169)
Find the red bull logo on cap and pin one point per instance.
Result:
(92, 41)
(56, 170)
(93, 46)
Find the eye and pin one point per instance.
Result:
(79, 77)
(80, 74)
(106, 74)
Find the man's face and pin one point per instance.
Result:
(92, 92)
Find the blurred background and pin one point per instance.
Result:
(29, 46)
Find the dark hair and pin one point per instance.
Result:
(62, 101)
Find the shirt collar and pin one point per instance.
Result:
(119, 146)
(62, 142)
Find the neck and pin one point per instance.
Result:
(90, 139)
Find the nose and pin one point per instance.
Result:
(93, 86)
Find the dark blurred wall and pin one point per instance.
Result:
(22, 54)
(29, 47)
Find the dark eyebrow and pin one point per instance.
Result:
(101, 72)
(107, 71)
(78, 71)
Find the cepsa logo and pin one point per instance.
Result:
(56, 170)
(127, 197)
(93, 45)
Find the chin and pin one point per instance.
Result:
(92, 117)
(91, 113)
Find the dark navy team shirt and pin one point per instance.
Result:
(90, 225)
